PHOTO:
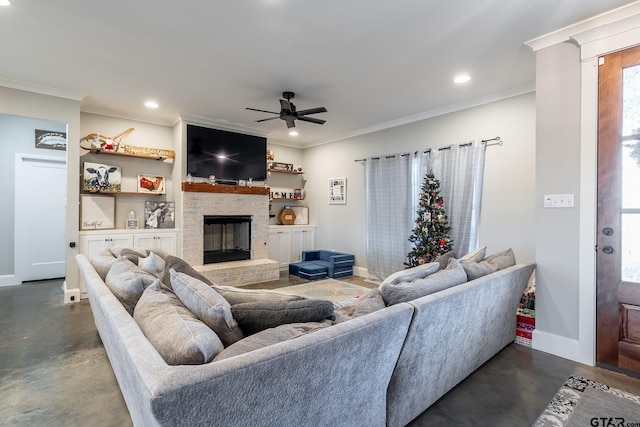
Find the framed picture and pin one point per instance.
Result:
(99, 178)
(97, 212)
(159, 214)
(131, 224)
(51, 140)
(338, 191)
(302, 215)
(151, 184)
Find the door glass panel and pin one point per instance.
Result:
(631, 101)
(630, 247)
(631, 175)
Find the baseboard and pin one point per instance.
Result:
(360, 272)
(9, 280)
(560, 346)
(70, 295)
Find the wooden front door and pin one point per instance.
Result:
(618, 250)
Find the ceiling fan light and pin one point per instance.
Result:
(5, 3)
(293, 132)
(149, 104)
(462, 78)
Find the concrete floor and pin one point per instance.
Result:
(55, 372)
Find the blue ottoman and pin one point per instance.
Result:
(308, 270)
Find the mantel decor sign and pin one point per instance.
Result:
(51, 140)
(338, 191)
(97, 212)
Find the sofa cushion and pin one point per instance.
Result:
(127, 282)
(153, 264)
(176, 334)
(181, 266)
(207, 305)
(131, 253)
(443, 259)
(102, 262)
(411, 274)
(475, 270)
(257, 316)
(453, 275)
(269, 337)
(502, 259)
(475, 255)
(367, 303)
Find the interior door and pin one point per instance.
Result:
(618, 222)
(41, 187)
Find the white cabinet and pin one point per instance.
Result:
(280, 245)
(302, 239)
(286, 242)
(93, 243)
(165, 241)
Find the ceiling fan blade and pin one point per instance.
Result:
(285, 105)
(312, 111)
(262, 111)
(264, 120)
(312, 120)
(290, 122)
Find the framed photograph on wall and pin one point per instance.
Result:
(97, 212)
(338, 191)
(151, 184)
(159, 214)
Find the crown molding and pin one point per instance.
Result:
(42, 90)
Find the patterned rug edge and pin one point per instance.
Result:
(559, 410)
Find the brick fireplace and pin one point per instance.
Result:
(200, 200)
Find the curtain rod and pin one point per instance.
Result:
(448, 147)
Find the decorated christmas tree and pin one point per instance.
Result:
(429, 237)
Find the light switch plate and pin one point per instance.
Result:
(558, 201)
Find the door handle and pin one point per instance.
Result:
(608, 250)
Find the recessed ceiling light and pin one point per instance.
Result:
(293, 133)
(462, 78)
(5, 3)
(149, 104)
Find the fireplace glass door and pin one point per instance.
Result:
(226, 238)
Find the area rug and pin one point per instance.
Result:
(580, 401)
(328, 289)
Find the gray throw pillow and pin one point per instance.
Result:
(443, 260)
(127, 282)
(181, 266)
(411, 274)
(207, 305)
(269, 337)
(502, 259)
(367, 303)
(475, 255)
(453, 275)
(176, 334)
(132, 253)
(153, 264)
(256, 316)
(476, 270)
(102, 262)
(240, 296)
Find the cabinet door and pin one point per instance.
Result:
(95, 243)
(164, 241)
(302, 239)
(280, 246)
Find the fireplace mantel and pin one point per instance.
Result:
(203, 187)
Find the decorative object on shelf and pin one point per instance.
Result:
(271, 155)
(160, 153)
(297, 193)
(429, 237)
(242, 182)
(277, 166)
(159, 214)
(302, 215)
(212, 179)
(338, 191)
(131, 224)
(51, 140)
(287, 216)
(250, 182)
(97, 212)
(100, 178)
(190, 178)
(151, 184)
(102, 142)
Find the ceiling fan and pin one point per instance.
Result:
(289, 114)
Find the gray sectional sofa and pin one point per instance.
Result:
(381, 368)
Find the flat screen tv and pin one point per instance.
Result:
(229, 156)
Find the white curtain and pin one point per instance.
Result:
(389, 213)
(460, 169)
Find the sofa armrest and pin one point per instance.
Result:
(310, 255)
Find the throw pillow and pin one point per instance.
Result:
(127, 282)
(411, 274)
(152, 264)
(475, 256)
(443, 259)
(134, 252)
(240, 296)
(453, 275)
(269, 337)
(502, 259)
(181, 266)
(207, 305)
(476, 270)
(368, 303)
(176, 334)
(256, 316)
(102, 262)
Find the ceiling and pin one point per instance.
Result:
(371, 63)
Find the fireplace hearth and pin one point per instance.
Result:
(226, 238)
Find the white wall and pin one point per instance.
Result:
(507, 218)
(17, 135)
